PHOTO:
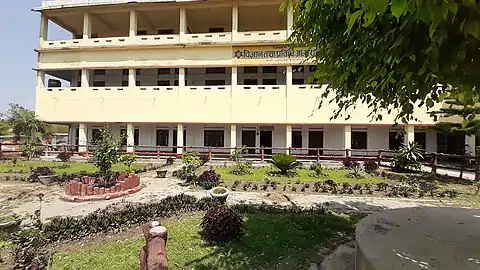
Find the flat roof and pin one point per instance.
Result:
(57, 4)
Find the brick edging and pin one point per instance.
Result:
(102, 197)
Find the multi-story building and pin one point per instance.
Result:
(220, 71)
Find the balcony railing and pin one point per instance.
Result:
(277, 36)
(47, 4)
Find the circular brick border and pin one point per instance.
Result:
(82, 189)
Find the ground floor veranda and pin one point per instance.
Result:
(309, 140)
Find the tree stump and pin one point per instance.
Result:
(153, 255)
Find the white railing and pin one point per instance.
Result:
(208, 37)
(72, 3)
(273, 35)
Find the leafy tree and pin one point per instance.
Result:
(392, 53)
(107, 152)
(4, 128)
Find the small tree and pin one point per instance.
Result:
(407, 158)
(128, 160)
(242, 166)
(107, 152)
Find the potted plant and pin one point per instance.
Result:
(221, 193)
(44, 175)
(161, 173)
(9, 224)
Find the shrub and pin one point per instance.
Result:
(242, 166)
(30, 150)
(64, 156)
(107, 152)
(208, 179)
(204, 158)
(40, 171)
(355, 172)
(318, 171)
(350, 163)
(187, 173)
(285, 163)
(370, 166)
(407, 158)
(128, 160)
(221, 224)
(192, 158)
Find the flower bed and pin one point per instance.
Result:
(89, 188)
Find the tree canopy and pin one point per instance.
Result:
(392, 53)
(25, 124)
(455, 108)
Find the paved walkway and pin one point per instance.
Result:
(156, 189)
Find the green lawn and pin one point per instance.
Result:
(269, 240)
(338, 175)
(59, 167)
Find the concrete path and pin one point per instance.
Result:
(156, 189)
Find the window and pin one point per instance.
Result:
(94, 36)
(96, 135)
(359, 140)
(141, 32)
(297, 139)
(270, 69)
(312, 68)
(162, 137)
(297, 69)
(213, 138)
(138, 72)
(250, 70)
(98, 72)
(136, 136)
(250, 82)
(165, 31)
(163, 71)
(216, 30)
(298, 81)
(99, 84)
(395, 140)
(176, 70)
(137, 83)
(124, 83)
(215, 70)
(269, 81)
(214, 82)
(163, 83)
(175, 83)
(125, 72)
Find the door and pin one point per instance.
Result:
(175, 133)
(266, 141)
(248, 140)
(315, 140)
(77, 140)
(421, 139)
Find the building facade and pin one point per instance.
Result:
(220, 71)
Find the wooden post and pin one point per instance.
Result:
(462, 165)
(262, 151)
(158, 152)
(153, 255)
(347, 152)
(318, 154)
(434, 162)
(209, 153)
(379, 157)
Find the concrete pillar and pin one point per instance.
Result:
(130, 138)
(289, 20)
(234, 20)
(132, 77)
(180, 138)
(470, 145)
(409, 134)
(85, 78)
(40, 79)
(233, 137)
(87, 25)
(82, 138)
(43, 35)
(289, 76)
(133, 23)
(183, 24)
(347, 136)
(288, 138)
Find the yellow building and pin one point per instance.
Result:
(219, 70)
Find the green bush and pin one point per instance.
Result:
(242, 165)
(285, 163)
(192, 158)
(355, 172)
(407, 158)
(128, 160)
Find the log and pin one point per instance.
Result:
(153, 255)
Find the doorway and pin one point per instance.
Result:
(175, 140)
(266, 141)
(248, 140)
(315, 140)
(421, 139)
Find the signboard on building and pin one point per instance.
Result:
(265, 52)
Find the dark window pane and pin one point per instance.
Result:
(214, 82)
(296, 139)
(250, 82)
(270, 69)
(97, 72)
(162, 137)
(298, 81)
(269, 81)
(312, 68)
(163, 71)
(96, 135)
(216, 30)
(163, 83)
(165, 31)
(124, 83)
(215, 70)
(250, 70)
(125, 72)
(395, 140)
(123, 135)
(359, 140)
(213, 138)
(136, 137)
(141, 32)
(99, 84)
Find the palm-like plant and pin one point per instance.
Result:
(285, 163)
(408, 157)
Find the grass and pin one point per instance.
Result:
(269, 240)
(59, 167)
(259, 174)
